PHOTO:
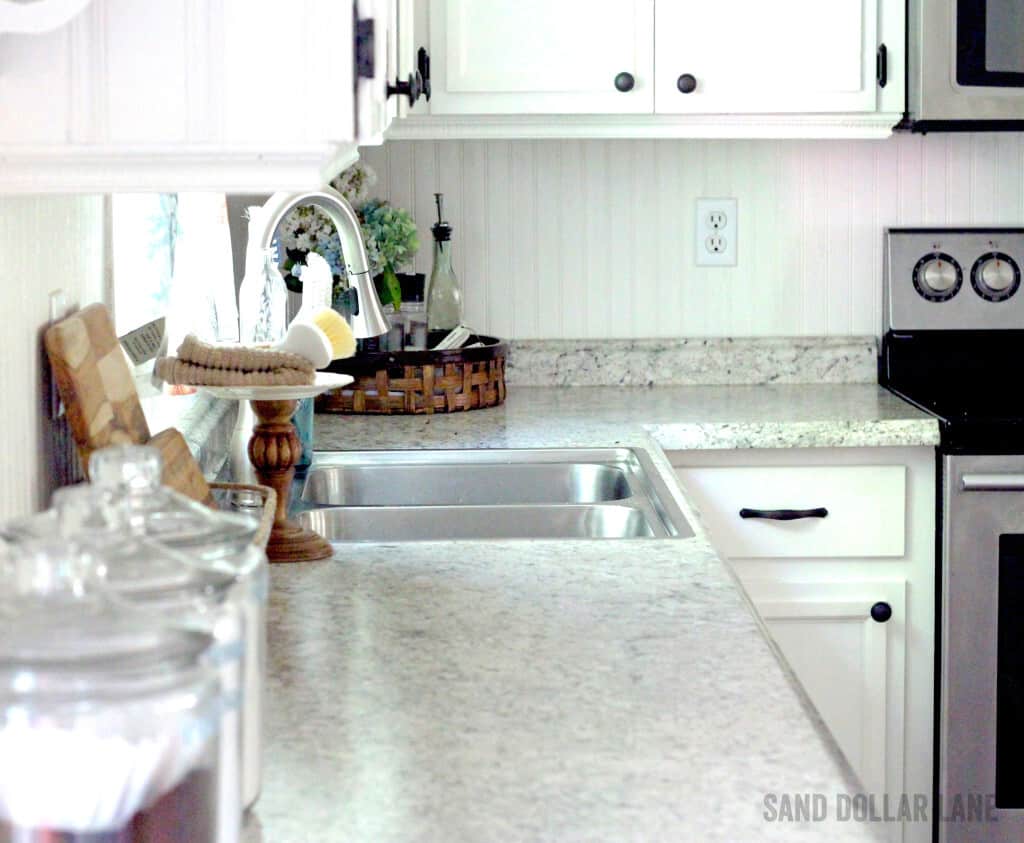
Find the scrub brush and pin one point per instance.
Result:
(337, 331)
(325, 338)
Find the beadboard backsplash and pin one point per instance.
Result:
(586, 239)
(46, 243)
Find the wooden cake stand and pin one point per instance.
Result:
(274, 448)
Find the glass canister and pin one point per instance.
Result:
(153, 579)
(109, 721)
(209, 538)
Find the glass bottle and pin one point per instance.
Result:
(262, 302)
(444, 299)
(303, 421)
(262, 295)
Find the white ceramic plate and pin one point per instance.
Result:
(324, 382)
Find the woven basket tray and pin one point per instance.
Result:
(415, 382)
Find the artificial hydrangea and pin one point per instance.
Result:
(392, 231)
(389, 233)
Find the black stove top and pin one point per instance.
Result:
(972, 381)
(981, 427)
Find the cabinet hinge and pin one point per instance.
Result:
(364, 53)
(882, 66)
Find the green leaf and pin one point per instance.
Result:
(393, 288)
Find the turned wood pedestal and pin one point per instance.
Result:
(273, 450)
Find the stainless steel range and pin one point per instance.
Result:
(952, 344)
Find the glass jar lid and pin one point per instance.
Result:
(131, 474)
(131, 565)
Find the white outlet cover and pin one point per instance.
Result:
(710, 232)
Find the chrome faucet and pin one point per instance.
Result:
(368, 318)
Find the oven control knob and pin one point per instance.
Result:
(995, 276)
(937, 277)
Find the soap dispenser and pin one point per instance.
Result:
(444, 299)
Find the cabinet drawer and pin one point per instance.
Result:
(865, 504)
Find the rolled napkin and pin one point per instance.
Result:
(200, 363)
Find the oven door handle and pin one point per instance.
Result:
(992, 482)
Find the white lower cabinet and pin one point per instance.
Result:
(846, 588)
(850, 665)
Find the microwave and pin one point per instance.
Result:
(966, 65)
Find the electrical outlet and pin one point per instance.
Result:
(717, 220)
(716, 244)
(717, 226)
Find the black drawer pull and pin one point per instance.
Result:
(784, 514)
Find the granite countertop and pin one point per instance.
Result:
(573, 690)
(678, 417)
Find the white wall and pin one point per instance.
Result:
(45, 244)
(595, 238)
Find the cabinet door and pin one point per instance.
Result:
(850, 665)
(392, 61)
(752, 56)
(541, 56)
(224, 67)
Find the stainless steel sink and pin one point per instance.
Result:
(454, 483)
(429, 523)
(395, 496)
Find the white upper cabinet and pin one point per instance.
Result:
(752, 56)
(227, 95)
(661, 68)
(539, 56)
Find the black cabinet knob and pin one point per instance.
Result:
(418, 83)
(412, 88)
(687, 83)
(624, 82)
(881, 612)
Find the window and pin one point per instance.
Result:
(171, 255)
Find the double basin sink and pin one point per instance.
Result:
(391, 496)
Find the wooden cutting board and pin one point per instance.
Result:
(95, 382)
(181, 471)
